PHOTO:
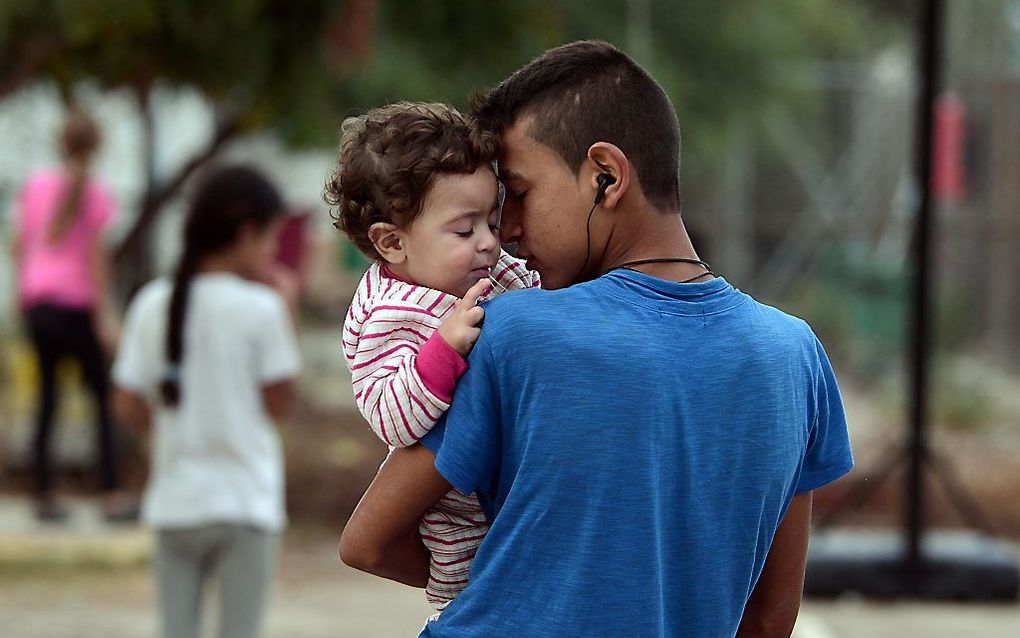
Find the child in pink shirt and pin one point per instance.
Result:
(57, 267)
(415, 190)
(64, 294)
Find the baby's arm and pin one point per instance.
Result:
(403, 374)
(510, 273)
(406, 366)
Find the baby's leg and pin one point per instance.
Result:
(452, 532)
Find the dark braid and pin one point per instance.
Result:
(70, 206)
(170, 389)
(227, 201)
(79, 139)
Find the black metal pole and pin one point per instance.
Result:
(929, 76)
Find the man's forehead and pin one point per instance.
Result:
(520, 150)
(509, 142)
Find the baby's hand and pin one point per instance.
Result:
(461, 329)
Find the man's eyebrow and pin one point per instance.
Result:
(509, 176)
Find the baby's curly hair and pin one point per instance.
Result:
(390, 157)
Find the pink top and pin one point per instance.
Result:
(404, 374)
(403, 371)
(59, 273)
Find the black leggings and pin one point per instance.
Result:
(58, 332)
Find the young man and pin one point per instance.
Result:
(645, 442)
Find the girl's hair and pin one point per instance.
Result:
(79, 138)
(390, 157)
(227, 200)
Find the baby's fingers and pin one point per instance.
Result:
(470, 299)
(474, 316)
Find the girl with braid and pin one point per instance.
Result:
(210, 358)
(64, 291)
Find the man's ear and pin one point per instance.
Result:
(607, 158)
(388, 240)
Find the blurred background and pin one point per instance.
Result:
(797, 179)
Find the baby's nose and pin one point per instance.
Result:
(489, 241)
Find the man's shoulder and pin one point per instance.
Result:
(531, 306)
(534, 315)
(780, 320)
(787, 334)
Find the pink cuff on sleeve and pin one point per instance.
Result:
(440, 366)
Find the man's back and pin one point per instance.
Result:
(637, 443)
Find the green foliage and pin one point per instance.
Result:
(247, 54)
(274, 59)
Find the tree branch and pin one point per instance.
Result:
(156, 196)
(27, 60)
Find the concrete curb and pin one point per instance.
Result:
(84, 540)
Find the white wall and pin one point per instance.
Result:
(30, 120)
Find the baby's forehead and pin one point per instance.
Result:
(452, 196)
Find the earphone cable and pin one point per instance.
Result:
(587, 243)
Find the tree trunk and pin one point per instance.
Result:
(133, 257)
(135, 265)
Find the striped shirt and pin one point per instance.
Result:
(404, 374)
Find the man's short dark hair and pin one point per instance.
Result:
(586, 92)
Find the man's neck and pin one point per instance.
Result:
(651, 235)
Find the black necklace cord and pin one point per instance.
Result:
(629, 265)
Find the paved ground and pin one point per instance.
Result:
(325, 602)
(85, 579)
(860, 619)
(88, 580)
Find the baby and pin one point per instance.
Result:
(415, 191)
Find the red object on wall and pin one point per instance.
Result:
(293, 242)
(948, 177)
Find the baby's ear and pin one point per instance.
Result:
(388, 240)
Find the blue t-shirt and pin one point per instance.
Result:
(635, 443)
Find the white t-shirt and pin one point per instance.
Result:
(216, 457)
